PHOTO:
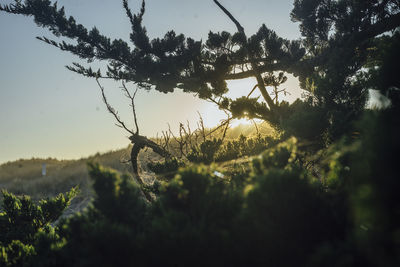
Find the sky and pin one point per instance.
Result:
(49, 111)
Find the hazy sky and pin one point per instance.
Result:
(48, 111)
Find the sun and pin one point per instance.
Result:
(213, 116)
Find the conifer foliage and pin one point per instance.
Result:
(25, 227)
(342, 41)
(175, 61)
(345, 28)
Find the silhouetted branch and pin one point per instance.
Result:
(252, 90)
(181, 140)
(166, 138)
(256, 72)
(226, 128)
(201, 127)
(132, 98)
(112, 110)
(223, 123)
(255, 125)
(238, 26)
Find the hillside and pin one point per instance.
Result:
(24, 177)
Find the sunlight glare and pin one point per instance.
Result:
(213, 116)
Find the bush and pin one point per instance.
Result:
(206, 152)
(276, 214)
(244, 146)
(286, 217)
(168, 168)
(23, 222)
(305, 121)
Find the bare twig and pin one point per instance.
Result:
(252, 90)
(223, 123)
(255, 125)
(188, 135)
(132, 98)
(226, 128)
(202, 128)
(112, 110)
(166, 138)
(179, 140)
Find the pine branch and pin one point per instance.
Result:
(254, 65)
(238, 26)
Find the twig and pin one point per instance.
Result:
(254, 88)
(255, 125)
(132, 98)
(226, 128)
(166, 138)
(227, 121)
(112, 110)
(202, 128)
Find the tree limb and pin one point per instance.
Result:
(252, 90)
(238, 26)
(132, 98)
(112, 110)
(254, 65)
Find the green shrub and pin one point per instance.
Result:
(276, 214)
(23, 223)
(168, 168)
(281, 156)
(284, 220)
(244, 146)
(192, 221)
(305, 121)
(16, 253)
(206, 152)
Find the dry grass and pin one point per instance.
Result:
(24, 177)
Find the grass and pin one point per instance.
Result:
(24, 176)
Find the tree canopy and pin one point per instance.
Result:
(342, 39)
(174, 61)
(338, 35)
